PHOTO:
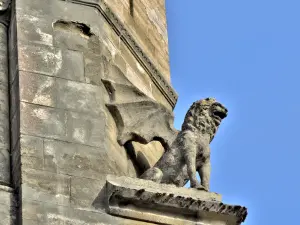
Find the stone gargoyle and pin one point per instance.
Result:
(142, 119)
(190, 152)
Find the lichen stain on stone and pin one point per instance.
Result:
(41, 98)
(49, 150)
(47, 38)
(76, 27)
(79, 135)
(58, 60)
(30, 18)
(41, 114)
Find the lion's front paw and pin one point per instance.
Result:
(200, 187)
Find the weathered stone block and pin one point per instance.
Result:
(72, 66)
(4, 165)
(4, 104)
(120, 62)
(31, 150)
(39, 185)
(3, 36)
(4, 122)
(42, 121)
(32, 162)
(32, 146)
(31, 210)
(6, 206)
(95, 67)
(4, 80)
(38, 89)
(84, 191)
(39, 59)
(135, 72)
(86, 129)
(3, 60)
(78, 160)
(80, 97)
(6, 196)
(68, 37)
(45, 213)
(5, 218)
(37, 29)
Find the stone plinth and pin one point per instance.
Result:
(166, 204)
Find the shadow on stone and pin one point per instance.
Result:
(100, 202)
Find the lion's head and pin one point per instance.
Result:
(205, 116)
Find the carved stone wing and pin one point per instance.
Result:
(138, 117)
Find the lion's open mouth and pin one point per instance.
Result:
(219, 112)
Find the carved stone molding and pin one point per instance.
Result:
(167, 204)
(120, 30)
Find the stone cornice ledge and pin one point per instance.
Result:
(166, 204)
(157, 78)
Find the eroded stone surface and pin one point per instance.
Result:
(72, 65)
(7, 205)
(45, 186)
(36, 212)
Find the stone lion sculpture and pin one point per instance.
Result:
(190, 152)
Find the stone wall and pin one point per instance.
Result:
(7, 212)
(146, 20)
(63, 138)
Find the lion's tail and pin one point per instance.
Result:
(154, 174)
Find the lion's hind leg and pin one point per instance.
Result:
(154, 174)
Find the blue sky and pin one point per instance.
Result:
(247, 55)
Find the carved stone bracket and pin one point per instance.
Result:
(166, 204)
